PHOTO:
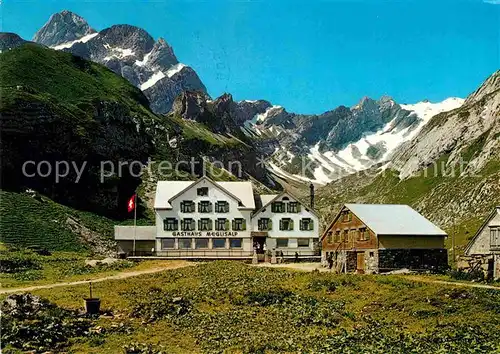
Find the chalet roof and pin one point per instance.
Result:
(266, 198)
(495, 222)
(167, 190)
(394, 219)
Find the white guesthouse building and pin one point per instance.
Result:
(209, 219)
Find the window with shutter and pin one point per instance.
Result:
(270, 224)
(221, 224)
(238, 224)
(187, 206)
(305, 224)
(222, 207)
(290, 225)
(204, 224)
(311, 225)
(170, 224)
(187, 224)
(277, 207)
(293, 207)
(204, 207)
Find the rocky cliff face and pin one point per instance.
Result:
(222, 114)
(454, 132)
(127, 50)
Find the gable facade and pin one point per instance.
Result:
(201, 214)
(348, 232)
(287, 223)
(486, 241)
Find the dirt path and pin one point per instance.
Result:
(123, 275)
(309, 267)
(445, 282)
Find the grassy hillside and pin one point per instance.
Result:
(67, 78)
(31, 219)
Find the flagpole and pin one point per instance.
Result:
(135, 220)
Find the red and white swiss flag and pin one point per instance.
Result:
(131, 203)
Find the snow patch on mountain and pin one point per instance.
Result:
(119, 53)
(144, 60)
(152, 80)
(426, 110)
(261, 117)
(84, 39)
(175, 69)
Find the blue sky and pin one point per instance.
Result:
(308, 56)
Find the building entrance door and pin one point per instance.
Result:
(259, 243)
(360, 262)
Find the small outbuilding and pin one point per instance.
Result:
(483, 250)
(372, 238)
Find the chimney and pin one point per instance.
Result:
(311, 188)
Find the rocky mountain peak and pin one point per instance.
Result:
(62, 27)
(366, 103)
(491, 84)
(128, 37)
(128, 51)
(162, 54)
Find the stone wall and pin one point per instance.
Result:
(435, 260)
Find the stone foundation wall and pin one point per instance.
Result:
(435, 260)
(482, 262)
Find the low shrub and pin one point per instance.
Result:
(16, 262)
(472, 275)
(32, 323)
(154, 303)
